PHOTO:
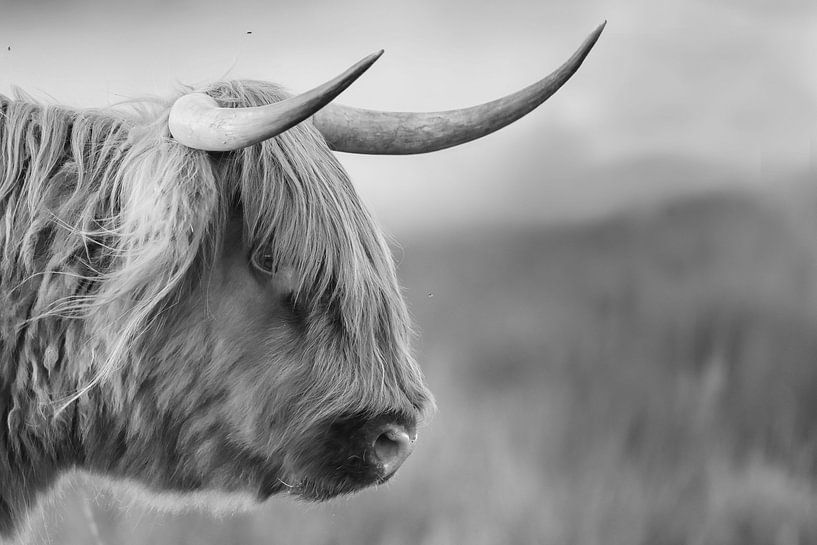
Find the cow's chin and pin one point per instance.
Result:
(315, 488)
(318, 493)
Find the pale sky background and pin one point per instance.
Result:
(677, 95)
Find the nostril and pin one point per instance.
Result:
(391, 447)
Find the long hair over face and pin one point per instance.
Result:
(108, 223)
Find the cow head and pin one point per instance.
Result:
(197, 299)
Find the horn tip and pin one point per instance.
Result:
(591, 40)
(366, 62)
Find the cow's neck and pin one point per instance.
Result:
(36, 449)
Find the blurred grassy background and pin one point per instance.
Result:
(646, 379)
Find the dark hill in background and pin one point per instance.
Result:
(681, 343)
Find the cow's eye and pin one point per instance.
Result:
(263, 260)
(281, 278)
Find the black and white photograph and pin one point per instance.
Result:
(531, 272)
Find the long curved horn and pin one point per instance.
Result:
(198, 122)
(355, 130)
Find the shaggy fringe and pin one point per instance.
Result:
(107, 220)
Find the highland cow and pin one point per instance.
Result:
(194, 299)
